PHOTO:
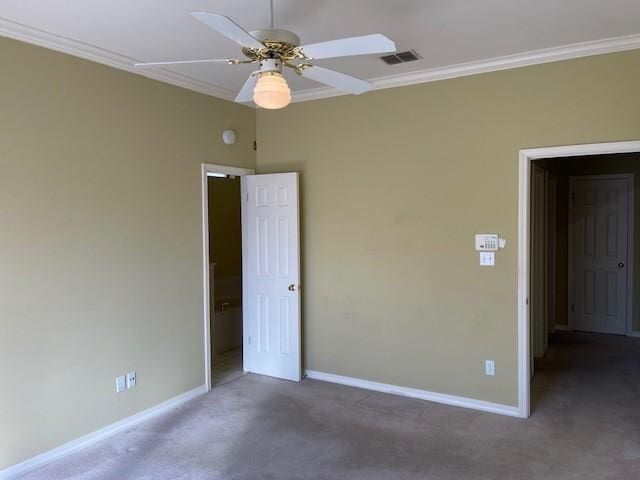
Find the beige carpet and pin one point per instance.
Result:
(586, 425)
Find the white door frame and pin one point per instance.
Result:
(629, 270)
(207, 171)
(526, 157)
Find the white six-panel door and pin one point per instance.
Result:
(599, 245)
(271, 283)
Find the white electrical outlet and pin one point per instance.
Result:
(131, 379)
(121, 385)
(489, 368)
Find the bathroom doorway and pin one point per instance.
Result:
(252, 314)
(224, 217)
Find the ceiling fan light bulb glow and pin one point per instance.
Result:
(271, 91)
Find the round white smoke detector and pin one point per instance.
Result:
(229, 137)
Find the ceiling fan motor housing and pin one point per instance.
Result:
(276, 35)
(278, 44)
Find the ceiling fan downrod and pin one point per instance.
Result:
(271, 14)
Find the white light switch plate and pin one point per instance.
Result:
(489, 368)
(487, 259)
(121, 385)
(131, 379)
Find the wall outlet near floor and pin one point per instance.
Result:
(489, 368)
(121, 385)
(131, 379)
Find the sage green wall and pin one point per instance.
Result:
(395, 184)
(225, 234)
(101, 243)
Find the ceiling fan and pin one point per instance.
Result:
(274, 49)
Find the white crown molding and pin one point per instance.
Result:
(25, 33)
(42, 38)
(547, 55)
(452, 400)
(73, 446)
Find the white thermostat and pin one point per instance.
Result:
(487, 242)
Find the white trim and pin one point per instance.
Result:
(453, 400)
(101, 434)
(226, 170)
(565, 328)
(25, 33)
(42, 38)
(526, 156)
(629, 260)
(534, 57)
(246, 358)
(524, 358)
(605, 148)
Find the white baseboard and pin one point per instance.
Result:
(416, 393)
(87, 440)
(565, 328)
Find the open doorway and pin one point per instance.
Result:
(582, 276)
(223, 272)
(225, 276)
(257, 218)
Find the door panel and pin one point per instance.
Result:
(272, 275)
(599, 235)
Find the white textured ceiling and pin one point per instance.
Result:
(443, 32)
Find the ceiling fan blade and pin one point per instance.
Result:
(183, 62)
(228, 28)
(341, 81)
(344, 47)
(246, 92)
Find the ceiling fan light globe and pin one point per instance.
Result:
(271, 91)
